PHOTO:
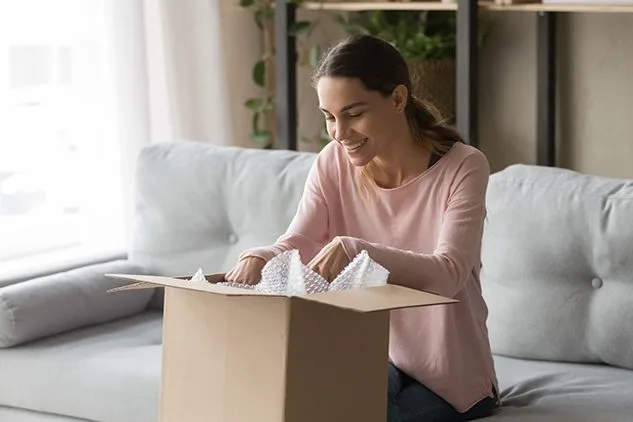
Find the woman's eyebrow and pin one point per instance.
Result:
(347, 107)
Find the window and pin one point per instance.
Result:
(60, 163)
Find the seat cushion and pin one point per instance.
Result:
(562, 392)
(106, 373)
(558, 265)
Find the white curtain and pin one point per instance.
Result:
(190, 47)
(125, 21)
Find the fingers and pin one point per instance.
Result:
(330, 260)
(314, 262)
(247, 271)
(234, 275)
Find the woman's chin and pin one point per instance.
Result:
(360, 157)
(359, 161)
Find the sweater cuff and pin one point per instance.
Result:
(264, 253)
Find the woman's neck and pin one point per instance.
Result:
(404, 160)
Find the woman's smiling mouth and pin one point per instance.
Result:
(355, 146)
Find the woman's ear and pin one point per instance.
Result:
(400, 96)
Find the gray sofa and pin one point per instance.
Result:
(557, 275)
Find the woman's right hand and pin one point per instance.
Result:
(247, 271)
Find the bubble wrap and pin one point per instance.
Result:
(286, 275)
(199, 277)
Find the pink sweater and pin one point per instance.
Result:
(427, 233)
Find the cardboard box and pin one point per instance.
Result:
(235, 355)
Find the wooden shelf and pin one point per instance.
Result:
(354, 6)
(577, 8)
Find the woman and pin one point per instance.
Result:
(405, 188)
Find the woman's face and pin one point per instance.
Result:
(361, 121)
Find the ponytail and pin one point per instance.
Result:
(427, 126)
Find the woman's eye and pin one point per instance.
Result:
(349, 115)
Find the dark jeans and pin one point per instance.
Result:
(410, 401)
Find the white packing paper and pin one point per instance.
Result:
(285, 274)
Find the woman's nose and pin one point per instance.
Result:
(341, 131)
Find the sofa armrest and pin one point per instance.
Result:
(65, 301)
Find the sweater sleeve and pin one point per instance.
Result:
(308, 230)
(457, 252)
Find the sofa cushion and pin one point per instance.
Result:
(50, 305)
(558, 265)
(563, 392)
(110, 372)
(200, 205)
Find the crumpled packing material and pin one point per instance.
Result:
(286, 274)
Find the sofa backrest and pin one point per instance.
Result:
(558, 265)
(200, 205)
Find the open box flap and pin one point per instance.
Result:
(152, 281)
(374, 299)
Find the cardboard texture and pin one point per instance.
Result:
(234, 355)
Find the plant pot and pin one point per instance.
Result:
(434, 82)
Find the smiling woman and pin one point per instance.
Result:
(424, 225)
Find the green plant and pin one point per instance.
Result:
(263, 106)
(417, 35)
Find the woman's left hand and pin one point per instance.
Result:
(330, 261)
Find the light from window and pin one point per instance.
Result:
(59, 165)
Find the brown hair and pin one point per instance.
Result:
(380, 67)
